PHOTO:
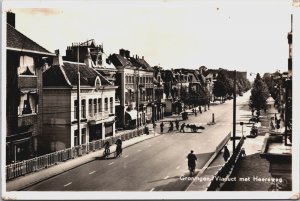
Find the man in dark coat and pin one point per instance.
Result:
(226, 153)
(161, 127)
(192, 162)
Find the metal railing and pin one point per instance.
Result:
(227, 168)
(35, 164)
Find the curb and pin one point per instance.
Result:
(64, 171)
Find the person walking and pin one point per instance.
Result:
(161, 127)
(192, 162)
(171, 127)
(177, 124)
(200, 109)
(182, 127)
(226, 153)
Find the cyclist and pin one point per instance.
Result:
(106, 149)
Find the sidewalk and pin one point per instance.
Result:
(31, 179)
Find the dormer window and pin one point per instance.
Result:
(98, 84)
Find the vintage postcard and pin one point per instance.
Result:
(160, 99)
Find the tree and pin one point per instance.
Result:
(259, 94)
(220, 86)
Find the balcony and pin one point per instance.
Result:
(27, 120)
(27, 82)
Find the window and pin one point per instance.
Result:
(90, 108)
(75, 109)
(99, 105)
(106, 104)
(83, 136)
(95, 106)
(76, 138)
(111, 105)
(83, 112)
(127, 79)
(27, 66)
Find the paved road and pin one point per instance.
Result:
(152, 165)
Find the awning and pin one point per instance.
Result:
(132, 114)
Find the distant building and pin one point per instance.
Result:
(60, 118)
(135, 89)
(26, 60)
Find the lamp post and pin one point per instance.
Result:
(137, 98)
(234, 113)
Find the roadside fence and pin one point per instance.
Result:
(227, 169)
(35, 164)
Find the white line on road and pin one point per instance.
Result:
(177, 167)
(152, 189)
(111, 163)
(166, 177)
(126, 156)
(92, 172)
(68, 184)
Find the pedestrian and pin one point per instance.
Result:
(171, 127)
(195, 112)
(192, 162)
(243, 153)
(200, 109)
(182, 127)
(226, 153)
(161, 127)
(177, 124)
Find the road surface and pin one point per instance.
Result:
(157, 164)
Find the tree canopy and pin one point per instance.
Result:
(259, 94)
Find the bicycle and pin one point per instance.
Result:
(106, 153)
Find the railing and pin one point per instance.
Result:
(227, 168)
(35, 164)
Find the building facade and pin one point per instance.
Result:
(135, 90)
(25, 64)
(95, 110)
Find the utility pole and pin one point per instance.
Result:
(234, 113)
(137, 98)
(78, 94)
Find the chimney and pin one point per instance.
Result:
(11, 19)
(127, 54)
(88, 60)
(122, 52)
(57, 60)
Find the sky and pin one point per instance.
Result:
(239, 35)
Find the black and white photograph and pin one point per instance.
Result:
(150, 99)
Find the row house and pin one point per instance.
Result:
(25, 62)
(135, 90)
(62, 110)
(93, 56)
(193, 92)
(159, 103)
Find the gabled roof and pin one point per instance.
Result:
(19, 42)
(66, 75)
(140, 62)
(118, 60)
